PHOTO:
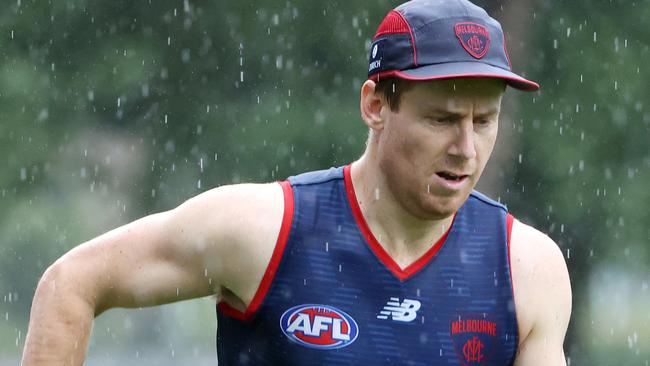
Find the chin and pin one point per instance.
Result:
(437, 207)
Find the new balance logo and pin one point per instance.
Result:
(405, 311)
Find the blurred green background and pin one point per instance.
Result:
(111, 110)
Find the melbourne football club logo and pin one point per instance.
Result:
(474, 38)
(474, 339)
(319, 326)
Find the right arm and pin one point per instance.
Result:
(221, 239)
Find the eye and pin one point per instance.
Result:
(482, 121)
(440, 119)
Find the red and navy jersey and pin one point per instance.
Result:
(331, 295)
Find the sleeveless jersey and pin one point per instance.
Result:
(331, 295)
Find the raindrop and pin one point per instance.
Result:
(185, 55)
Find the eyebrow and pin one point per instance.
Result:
(453, 114)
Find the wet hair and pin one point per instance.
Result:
(391, 90)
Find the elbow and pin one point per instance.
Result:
(62, 286)
(47, 284)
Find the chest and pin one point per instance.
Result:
(336, 299)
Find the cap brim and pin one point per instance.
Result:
(459, 70)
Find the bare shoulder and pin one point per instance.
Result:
(243, 221)
(541, 286)
(229, 210)
(534, 251)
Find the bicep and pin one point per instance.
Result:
(144, 263)
(208, 243)
(541, 348)
(542, 296)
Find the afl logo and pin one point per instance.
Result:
(374, 51)
(319, 326)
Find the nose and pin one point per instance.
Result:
(462, 144)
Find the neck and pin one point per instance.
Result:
(403, 235)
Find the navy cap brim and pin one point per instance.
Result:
(459, 70)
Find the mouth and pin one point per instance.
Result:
(451, 177)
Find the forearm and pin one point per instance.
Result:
(60, 323)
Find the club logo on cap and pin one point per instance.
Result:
(474, 38)
(374, 51)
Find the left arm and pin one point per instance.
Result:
(542, 297)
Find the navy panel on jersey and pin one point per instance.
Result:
(335, 301)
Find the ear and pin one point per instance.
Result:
(371, 105)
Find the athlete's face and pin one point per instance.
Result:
(432, 151)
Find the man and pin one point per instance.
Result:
(393, 259)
